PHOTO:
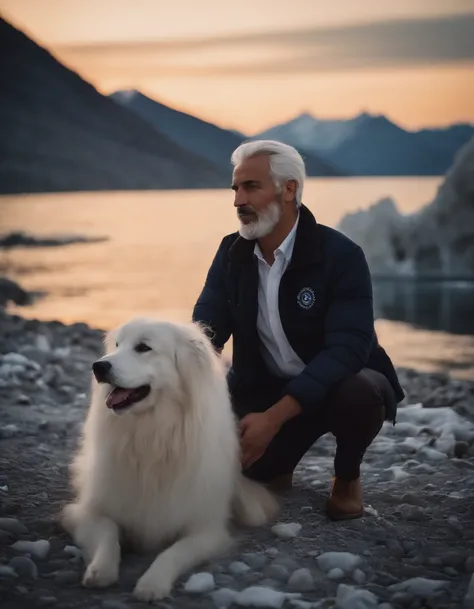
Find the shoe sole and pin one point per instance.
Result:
(339, 517)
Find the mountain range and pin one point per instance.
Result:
(203, 138)
(372, 145)
(60, 134)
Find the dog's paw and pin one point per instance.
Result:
(150, 588)
(99, 576)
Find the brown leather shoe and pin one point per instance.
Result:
(346, 500)
(281, 484)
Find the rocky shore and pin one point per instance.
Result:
(413, 548)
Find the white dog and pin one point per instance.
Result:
(159, 464)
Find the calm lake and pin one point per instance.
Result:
(160, 245)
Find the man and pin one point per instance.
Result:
(296, 296)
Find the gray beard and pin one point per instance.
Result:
(265, 223)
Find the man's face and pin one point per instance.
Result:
(259, 203)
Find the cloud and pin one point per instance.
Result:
(394, 43)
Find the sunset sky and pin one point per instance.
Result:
(253, 63)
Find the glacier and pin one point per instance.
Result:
(435, 242)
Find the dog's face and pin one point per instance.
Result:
(144, 358)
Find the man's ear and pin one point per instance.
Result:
(289, 191)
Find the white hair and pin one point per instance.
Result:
(286, 162)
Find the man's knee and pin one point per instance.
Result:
(364, 392)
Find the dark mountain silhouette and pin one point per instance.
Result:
(60, 134)
(201, 137)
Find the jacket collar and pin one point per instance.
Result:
(307, 248)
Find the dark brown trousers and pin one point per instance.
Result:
(354, 413)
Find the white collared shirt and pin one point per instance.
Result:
(277, 352)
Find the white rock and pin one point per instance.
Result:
(238, 568)
(42, 343)
(6, 571)
(368, 509)
(38, 549)
(16, 359)
(9, 431)
(420, 586)
(398, 472)
(199, 583)
(349, 597)
(286, 530)
(301, 580)
(73, 551)
(342, 560)
(335, 574)
(431, 454)
(358, 576)
(260, 596)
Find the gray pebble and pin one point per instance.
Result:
(469, 564)
(47, 601)
(268, 582)
(335, 574)
(110, 604)
(57, 564)
(359, 576)
(278, 572)
(9, 431)
(21, 589)
(385, 606)
(223, 580)
(23, 400)
(6, 538)
(72, 551)
(306, 509)
(238, 568)
(408, 545)
(453, 559)
(24, 566)
(404, 599)
(6, 571)
(66, 578)
(256, 561)
(301, 580)
(395, 548)
(12, 525)
(386, 579)
(412, 513)
(451, 571)
(286, 561)
(39, 549)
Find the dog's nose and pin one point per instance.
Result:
(101, 370)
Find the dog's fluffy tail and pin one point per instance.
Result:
(254, 505)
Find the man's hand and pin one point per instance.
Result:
(257, 431)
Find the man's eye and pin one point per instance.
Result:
(142, 348)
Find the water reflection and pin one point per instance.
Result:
(443, 306)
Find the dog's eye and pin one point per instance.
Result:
(142, 348)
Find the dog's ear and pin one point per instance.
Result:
(193, 363)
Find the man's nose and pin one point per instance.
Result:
(240, 198)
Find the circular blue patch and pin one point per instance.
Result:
(306, 298)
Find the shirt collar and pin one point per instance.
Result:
(286, 247)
